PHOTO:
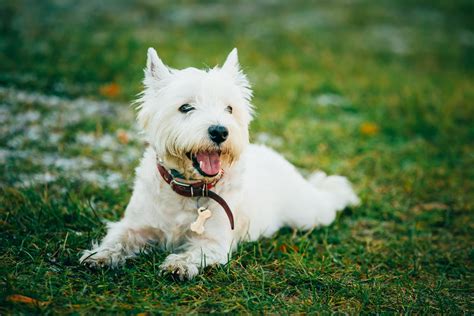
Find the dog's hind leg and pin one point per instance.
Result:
(316, 202)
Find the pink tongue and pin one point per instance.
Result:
(209, 162)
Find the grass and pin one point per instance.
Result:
(379, 91)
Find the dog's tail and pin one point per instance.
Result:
(319, 200)
(338, 185)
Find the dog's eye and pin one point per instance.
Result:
(229, 109)
(185, 108)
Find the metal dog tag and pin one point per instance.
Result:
(203, 216)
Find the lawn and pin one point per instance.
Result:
(380, 91)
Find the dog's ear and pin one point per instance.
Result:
(231, 64)
(232, 67)
(154, 66)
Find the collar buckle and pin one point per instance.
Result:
(174, 182)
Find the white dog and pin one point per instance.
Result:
(196, 122)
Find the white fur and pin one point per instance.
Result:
(264, 191)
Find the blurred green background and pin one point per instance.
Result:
(380, 91)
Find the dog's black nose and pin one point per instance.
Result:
(218, 133)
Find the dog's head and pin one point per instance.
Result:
(196, 120)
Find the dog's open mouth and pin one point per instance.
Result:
(207, 163)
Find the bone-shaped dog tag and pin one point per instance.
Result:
(198, 225)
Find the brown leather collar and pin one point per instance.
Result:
(195, 189)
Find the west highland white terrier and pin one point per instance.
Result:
(201, 187)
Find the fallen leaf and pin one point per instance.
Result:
(122, 136)
(369, 129)
(283, 248)
(18, 298)
(110, 90)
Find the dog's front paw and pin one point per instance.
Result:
(178, 266)
(99, 258)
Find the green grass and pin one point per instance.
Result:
(399, 75)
